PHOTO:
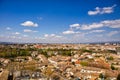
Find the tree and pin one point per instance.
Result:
(101, 75)
(110, 58)
(85, 50)
(112, 67)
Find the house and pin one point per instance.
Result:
(21, 59)
(42, 58)
(34, 53)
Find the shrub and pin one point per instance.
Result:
(84, 63)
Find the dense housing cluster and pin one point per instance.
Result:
(60, 61)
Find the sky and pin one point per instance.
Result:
(59, 21)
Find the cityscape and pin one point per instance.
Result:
(60, 61)
(59, 40)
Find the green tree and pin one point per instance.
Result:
(112, 67)
(101, 75)
(85, 50)
(110, 58)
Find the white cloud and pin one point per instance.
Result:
(106, 23)
(25, 35)
(104, 10)
(96, 31)
(52, 35)
(29, 30)
(29, 24)
(8, 28)
(91, 26)
(75, 25)
(46, 35)
(59, 36)
(112, 23)
(113, 33)
(94, 12)
(16, 33)
(68, 32)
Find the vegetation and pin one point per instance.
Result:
(101, 76)
(85, 50)
(110, 51)
(110, 58)
(13, 52)
(8, 52)
(84, 63)
(112, 67)
(50, 52)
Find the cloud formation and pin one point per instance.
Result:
(95, 25)
(16, 33)
(91, 26)
(75, 25)
(68, 32)
(25, 35)
(96, 31)
(104, 10)
(80, 32)
(112, 23)
(52, 35)
(29, 24)
(113, 33)
(8, 28)
(106, 23)
(29, 30)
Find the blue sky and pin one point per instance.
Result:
(59, 21)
